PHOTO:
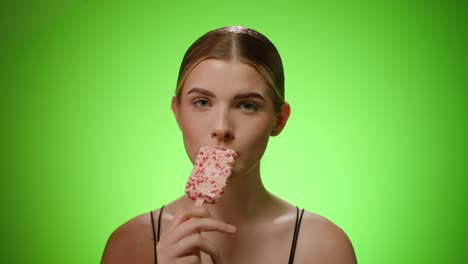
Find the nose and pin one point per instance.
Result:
(222, 130)
(222, 135)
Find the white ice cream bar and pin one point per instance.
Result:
(210, 174)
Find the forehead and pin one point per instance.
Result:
(226, 77)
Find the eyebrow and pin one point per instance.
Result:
(249, 95)
(237, 97)
(201, 91)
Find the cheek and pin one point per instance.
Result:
(195, 125)
(257, 130)
(253, 138)
(192, 132)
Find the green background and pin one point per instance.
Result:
(376, 141)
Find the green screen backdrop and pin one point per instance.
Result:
(376, 141)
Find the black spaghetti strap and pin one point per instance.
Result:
(156, 236)
(291, 254)
(159, 222)
(296, 234)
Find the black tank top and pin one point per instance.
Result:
(293, 245)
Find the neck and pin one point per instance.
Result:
(243, 199)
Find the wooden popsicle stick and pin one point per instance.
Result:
(199, 201)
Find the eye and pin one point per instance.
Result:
(248, 106)
(201, 102)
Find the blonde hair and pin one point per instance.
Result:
(237, 43)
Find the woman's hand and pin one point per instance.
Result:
(182, 242)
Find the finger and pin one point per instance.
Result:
(197, 225)
(191, 259)
(183, 214)
(196, 243)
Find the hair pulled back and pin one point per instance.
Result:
(237, 43)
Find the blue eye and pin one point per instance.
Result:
(248, 106)
(200, 103)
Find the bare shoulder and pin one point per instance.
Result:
(321, 241)
(132, 242)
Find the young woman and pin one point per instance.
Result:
(230, 93)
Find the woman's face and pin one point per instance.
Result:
(227, 104)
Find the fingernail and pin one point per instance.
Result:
(232, 228)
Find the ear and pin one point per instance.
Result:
(281, 119)
(175, 110)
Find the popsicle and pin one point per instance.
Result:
(210, 174)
